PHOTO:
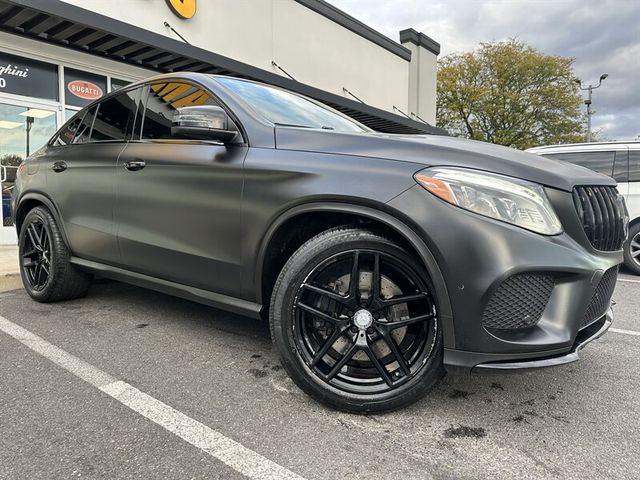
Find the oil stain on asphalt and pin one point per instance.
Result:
(464, 431)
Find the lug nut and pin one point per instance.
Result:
(376, 315)
(370, 331)
(354, 329)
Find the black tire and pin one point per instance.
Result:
(631, 247)
(53, 278)
(286, 312)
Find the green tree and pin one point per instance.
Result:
(510, 94)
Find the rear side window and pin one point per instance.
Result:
(83, 133)
(114, 118)
(162, 100)
(601, 162)
(634, 165)
(66, 135)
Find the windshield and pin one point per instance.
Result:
(285, 108)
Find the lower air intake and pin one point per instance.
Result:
(519, 302)
(601, 299)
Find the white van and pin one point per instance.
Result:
(620, 160)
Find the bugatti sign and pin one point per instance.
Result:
(85, 90)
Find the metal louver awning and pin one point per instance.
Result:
(67, 25)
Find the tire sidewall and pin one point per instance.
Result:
(282, 317)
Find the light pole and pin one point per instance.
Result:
(587, 102)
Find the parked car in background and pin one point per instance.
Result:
(619, 160)
(379, 260)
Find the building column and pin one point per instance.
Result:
(423, 71)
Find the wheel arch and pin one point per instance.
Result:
(33, 199)
(333, 214)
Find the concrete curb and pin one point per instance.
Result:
(10, 281)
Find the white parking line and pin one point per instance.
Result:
(626, 332)
(242, 459)
(628, 280)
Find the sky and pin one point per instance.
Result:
(602, 36)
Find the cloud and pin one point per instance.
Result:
(602, 36)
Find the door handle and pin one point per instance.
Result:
(59, 167)
(135, 165)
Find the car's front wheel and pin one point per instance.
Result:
(355, 321)
(47, 274)
(632, 249)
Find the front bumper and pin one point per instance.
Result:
(476, 255)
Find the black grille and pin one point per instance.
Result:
(518, 302)
(602, 215)
(601, 299)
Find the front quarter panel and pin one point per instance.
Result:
(279, 180)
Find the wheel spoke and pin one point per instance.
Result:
(342, 362)
(28, 254)
(337, 333)
(391, 343)
(317, 313)
(404, 299)
(326, 293)
(410, 321)
(354, 281)
(636, 253)
(381, 369)
(33, 236)
(375, 278)
(36, 274)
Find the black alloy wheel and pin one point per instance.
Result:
(364, 324)
(36, 254)
(371, 338)
(45, 267)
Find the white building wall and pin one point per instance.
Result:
(312, 48)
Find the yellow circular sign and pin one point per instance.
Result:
(183, 8)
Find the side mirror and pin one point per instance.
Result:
(205, 122)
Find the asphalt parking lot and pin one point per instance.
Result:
(128, 383)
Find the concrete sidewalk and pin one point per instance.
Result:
(9, 268)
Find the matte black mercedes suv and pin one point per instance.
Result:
(380, 260)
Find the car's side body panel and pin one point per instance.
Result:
(84, 196)
(179, 218)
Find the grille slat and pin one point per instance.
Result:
(602, 216)
(519, 301)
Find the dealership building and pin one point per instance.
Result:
(58, 56)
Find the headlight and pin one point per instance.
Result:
(507, 199)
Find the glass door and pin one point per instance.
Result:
(24, 128)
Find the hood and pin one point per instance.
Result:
(435, 150)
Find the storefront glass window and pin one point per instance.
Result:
(23, 76)
(82, 88)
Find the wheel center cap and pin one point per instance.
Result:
(363, 319)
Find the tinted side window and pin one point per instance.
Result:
(601, 162)
(115, 115)
(83, 134)
(634, 165)
(66, 135)
(162, 101)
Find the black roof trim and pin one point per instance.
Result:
(73, 27)
(356, 26)
(420, 39)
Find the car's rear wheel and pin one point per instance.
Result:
(632, 249)
(47, 274)
(355, 320)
